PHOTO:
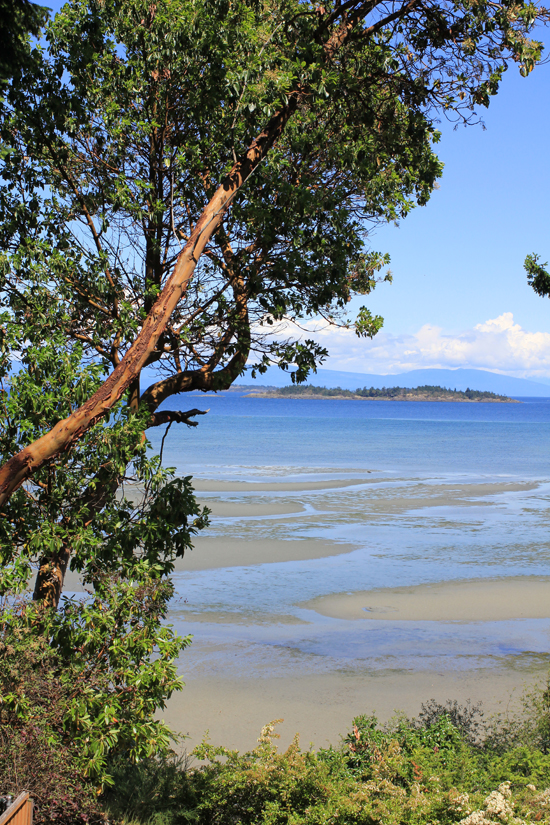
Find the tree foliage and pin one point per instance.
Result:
(18, 20)
(81, 685)
(309, 121)
(132, 135)
(537, 275)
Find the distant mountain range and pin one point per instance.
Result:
(452, 379)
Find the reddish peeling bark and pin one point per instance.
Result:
(50, 579)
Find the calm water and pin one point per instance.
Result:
(398, 436)
(439, 491)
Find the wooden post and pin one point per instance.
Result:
(19, 812)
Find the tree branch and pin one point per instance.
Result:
(176, 417)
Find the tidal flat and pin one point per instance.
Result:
(295, 614)
(358, 565)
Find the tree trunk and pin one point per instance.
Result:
(50, 578)
(66, 432)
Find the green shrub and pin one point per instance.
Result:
(79, 689)
(36, 753)
(158, 791)
(439, 769)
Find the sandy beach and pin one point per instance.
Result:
(321, 707)
(262, 651)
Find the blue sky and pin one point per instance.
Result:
(458, 262)
(460, 296)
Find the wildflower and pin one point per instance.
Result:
(497, 805)
(458, 802)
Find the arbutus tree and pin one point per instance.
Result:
(297, 124)
(286, 234)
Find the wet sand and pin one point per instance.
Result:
(238, 509)
(477, 600)
(321, 707)
(422, 496)
(211, 553)
(204, 485)
(492, 489)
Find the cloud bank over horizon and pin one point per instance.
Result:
(498, 345)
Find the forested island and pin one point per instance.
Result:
(425, 393)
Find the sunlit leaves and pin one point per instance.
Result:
(538, 277)
(113, 662)
(367, 324)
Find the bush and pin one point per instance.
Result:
(79, 689)
(156, 790)
(468, 719)
(438, 769)
(36, 753)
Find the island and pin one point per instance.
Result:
(424, 393)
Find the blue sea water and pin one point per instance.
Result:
(415, 436)
(436, 492)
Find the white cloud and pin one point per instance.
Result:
(498, 344)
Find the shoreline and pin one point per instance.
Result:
(321, 707)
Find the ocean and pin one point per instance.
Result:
(326, 498)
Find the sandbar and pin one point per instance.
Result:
(206, 485)
(490, 488)
(210, 553)
(237, 509)
(471, 600)
(420, 496)
(321, 707)
(256, 617)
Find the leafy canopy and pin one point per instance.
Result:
(125, 128)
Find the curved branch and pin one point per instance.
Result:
(176, 417)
